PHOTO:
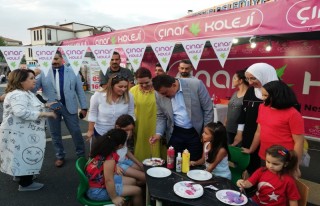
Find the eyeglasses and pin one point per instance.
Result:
(251, 79)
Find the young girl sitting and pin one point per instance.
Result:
(103, 183)
(276, 185)
(128, 165)
(215, 150)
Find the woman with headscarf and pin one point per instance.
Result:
(257, 75)
(279, 121)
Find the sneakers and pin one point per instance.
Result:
(17, 178)
(34, 186)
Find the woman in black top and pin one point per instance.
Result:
(257, 74)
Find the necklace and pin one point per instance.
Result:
(146, 91)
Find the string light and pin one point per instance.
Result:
(235, 40)
(252, 41)
(269, 46)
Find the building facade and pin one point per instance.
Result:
(50, 35)
(11, 42)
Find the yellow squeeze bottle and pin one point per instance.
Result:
(185, 161)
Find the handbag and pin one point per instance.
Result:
(305, 159)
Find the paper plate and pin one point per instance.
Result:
(199, 175)
(154, 161)
(158, 172)
(188, 189)
(231, 197)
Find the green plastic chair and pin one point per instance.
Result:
(84, 186)
(238, 162)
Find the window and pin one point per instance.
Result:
(40, 34)
(49, 34)
(30, 52)
(34, 35)
(37, 34)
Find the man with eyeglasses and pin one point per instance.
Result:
(115, 68)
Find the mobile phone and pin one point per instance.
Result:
(81, 115)
(55, 106)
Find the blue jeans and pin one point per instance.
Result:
(125, 164)
(72, 123)
(100, 194)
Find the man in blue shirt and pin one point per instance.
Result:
(184, 107)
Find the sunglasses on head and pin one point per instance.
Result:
(119, 77)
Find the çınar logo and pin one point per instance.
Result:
(122, 37)
(304, 14)
(229, 23)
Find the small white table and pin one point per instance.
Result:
(220, 112)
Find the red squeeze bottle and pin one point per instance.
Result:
(170, 158)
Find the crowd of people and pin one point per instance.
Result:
(129, 123)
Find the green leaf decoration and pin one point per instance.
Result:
(13, 64)
(195, 29)
(280, 71)
(45, 64)
(223, 55)
(113, 40)
(195, 57)
(136, 61)
(76, 63)
(164, 59)
(104, 62)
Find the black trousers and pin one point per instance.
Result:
(186, 139)
(26, 180)
(230, 136)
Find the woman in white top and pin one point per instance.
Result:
(108, 104)
(22, 132)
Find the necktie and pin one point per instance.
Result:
(57, 84)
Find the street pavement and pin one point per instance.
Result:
(61, 183)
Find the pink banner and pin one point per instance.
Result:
(298, 63)
(280, 17)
